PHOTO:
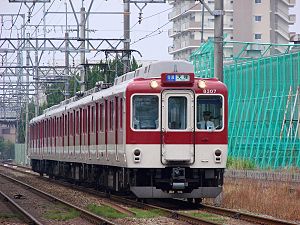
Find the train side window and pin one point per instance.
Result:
(83, 121)
(111, 115)
(93, 115)
(77, 122)
(71, 124)
(62, 126)
(89, 121)
(101, 117)
(57, 127)
(66, 125)
(145, 112)
(121, 112)
(210, 112)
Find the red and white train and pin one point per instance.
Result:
(158, 132)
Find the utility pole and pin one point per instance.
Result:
(127, 53)
(36, 69)
(82, 48)
(218, 39)
(218, 14)
(202, 25)
(67, 83)
(126, 56)
(27, 98)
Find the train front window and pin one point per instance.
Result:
(145, 112)
(177, 113)
(210, 112)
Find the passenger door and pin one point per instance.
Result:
(177, 126)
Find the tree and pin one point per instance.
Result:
(6, 149)
(22, 123)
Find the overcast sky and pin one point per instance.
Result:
(152, 45)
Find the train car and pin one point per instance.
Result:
(158, 132)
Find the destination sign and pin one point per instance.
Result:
(178, 78)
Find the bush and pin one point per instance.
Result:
(6, 149)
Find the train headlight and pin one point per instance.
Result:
(201, 84)
(153, 84)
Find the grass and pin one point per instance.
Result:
(278, 199)
(9, 215)
(208, 216)
(140, 213)
(240, 164)
(62, 215)
(105, 211)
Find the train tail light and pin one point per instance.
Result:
(218, 154)
(137, 155)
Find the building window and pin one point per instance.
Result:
(257, 1)
(257, 36)
(257, 18)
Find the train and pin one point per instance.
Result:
(157, 132)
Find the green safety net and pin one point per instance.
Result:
(263, 81)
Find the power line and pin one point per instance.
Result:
(158, 29)
(43, 16)
(157, 13)
(16, 16)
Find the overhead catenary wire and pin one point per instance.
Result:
(16, 17)
(159, 28)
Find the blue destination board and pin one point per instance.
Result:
(177, 77)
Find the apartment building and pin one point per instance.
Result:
(265, 21)
(8, 133)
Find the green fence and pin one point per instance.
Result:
(20, 155)
(264, 100)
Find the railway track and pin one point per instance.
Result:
(246, 216)
(116, 202)
(32, 196)
(175, 214)
(26, 217)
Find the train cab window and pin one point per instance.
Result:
(177, 113)
(145, 112)
(210, 112)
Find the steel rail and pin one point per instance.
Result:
(83, 213)
(169, 213)
(30, 219)
(245, 216)
(180, 216)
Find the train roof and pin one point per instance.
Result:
(156, 69)
(150, 71)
